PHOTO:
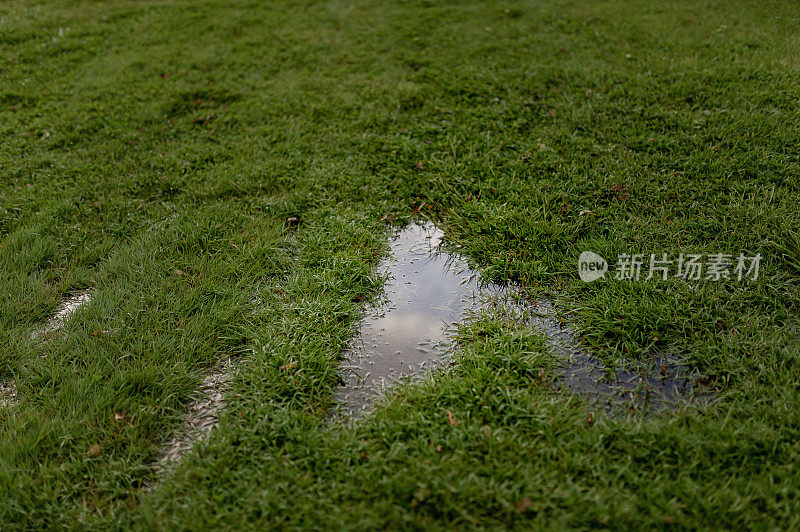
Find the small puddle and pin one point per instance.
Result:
(430, 290)
(68, 306)
(202, 413)
(426, 293)
(660, 384)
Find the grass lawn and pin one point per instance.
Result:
(153, 151)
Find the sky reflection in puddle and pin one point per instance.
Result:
(429, 290)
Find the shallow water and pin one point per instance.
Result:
(68, 306)
(427, 292)
(430, 290)
(659, 384)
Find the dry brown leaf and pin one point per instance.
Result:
(94, 450)
(523, 504)
(452, 419)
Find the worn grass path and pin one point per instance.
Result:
(152, 151)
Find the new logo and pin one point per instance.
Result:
(591, 266)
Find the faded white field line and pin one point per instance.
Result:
(202, 413)
(202, 418)
(63, 312)
(8, 394)
(68, 306)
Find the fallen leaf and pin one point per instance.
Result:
(451, 419)
(523, 504)
(487, 430)
(290, 365)
(94, 450)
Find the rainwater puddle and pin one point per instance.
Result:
(202, 413)
(427, 292)
(661, 384)
(430, 290)
(68, 306)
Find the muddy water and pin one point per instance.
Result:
(430, 290)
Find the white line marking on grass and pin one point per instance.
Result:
(64, 312)
(203, 417)
(8, 394)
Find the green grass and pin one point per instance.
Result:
(153, 150)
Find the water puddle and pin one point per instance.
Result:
(203, 416)
(662, 383)
(202, 412)
(426, 293)
(430, 290)
(63, 312)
